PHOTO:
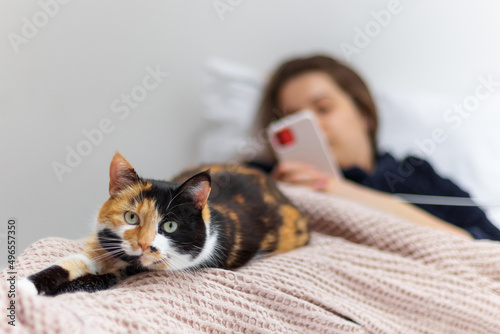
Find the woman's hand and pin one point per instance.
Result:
(299, 173)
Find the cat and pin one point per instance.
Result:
(177, 225)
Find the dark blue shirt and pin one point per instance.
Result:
(416, 176)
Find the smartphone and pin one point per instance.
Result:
(298, 137)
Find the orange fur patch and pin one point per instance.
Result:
(103, 259)
(75, 266)
(233, 254)
(268, 198)
(238, 198)
(289, 238)
(268, 240)
(205, 214)
(145, 232)
(111, 213)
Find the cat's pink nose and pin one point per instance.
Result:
(143, 247)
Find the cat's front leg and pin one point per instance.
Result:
(87, 283)
(50, 279)
(93, 283)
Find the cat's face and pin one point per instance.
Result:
(155, 224)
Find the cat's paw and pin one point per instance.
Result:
(27, 287)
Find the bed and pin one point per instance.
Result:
(363, 272)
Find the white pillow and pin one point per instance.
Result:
(230, 100)
(468, 153)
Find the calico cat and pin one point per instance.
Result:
(158, 225)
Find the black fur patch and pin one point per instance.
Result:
(49, 279)
(88, 283)
(131, 270)
(111, 242)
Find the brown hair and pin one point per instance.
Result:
(346, 78)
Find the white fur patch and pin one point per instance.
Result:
(160, 242)
(78, 271)
(27, 287)
(94, 267)
(209, 249)
(128, 249)
(177, 261)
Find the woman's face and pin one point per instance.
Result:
(343, 124)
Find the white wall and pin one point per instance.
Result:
(66, 77)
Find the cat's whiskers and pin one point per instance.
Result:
(109, 239)
(172, 267)
(105, 249)
(165, 262)
(110, 246)
(108, 257)
(116, 241)
(99, 249)
(109, 254)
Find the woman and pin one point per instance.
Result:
(347, 114)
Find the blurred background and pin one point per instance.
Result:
(173, 83)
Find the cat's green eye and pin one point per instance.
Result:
(169, 227)
(131, 218)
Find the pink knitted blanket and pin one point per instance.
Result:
(363, 272)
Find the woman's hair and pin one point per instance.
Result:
(348, 80)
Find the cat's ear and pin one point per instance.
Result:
(121, 174)
(197, 189)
